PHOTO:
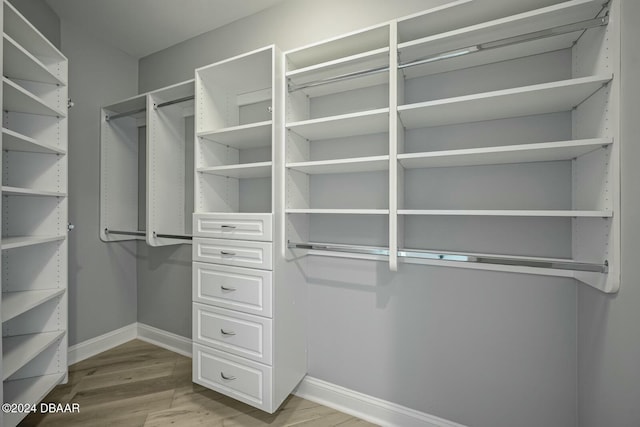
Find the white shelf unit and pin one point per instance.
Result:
(169, 164)
(337, 138)
(503, 129)
(34, 214)
(122, 160)
(234, 150)
(249, 336)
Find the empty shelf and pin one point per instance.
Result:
(14, 141)
(19, 242)
(19, 100)
(16, 303)
(340, 211)
(523, 101)
(31, 390)
(506, 212)
(528, 22)
(241, 171)
(21, 30)
(19, 350)
(16, 191)
(20, 64)
(524, 153)
(360, 164)
(362, 123)
(253, 135)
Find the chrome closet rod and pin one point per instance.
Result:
(125, 233)
(446, 256)
(125, 114)
(173, 236)
(175, 101)
(483, 47)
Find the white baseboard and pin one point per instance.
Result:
(351, 402)
(368, 408)
(105, 342)
(176, 343)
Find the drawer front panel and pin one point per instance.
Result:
(235, 253)
(234, 226)
(243, 289)
(237, 333)
(247, 381)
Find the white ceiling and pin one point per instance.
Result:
(141, 27)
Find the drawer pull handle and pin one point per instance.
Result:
(228, 253)
(228, 227)
(224, 288)
(223, 332)
(228, 378)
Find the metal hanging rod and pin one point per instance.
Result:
(125, 233)
(175, 101)
(445, 256)
(173, 236)
(509, 41)
(125, 114)
(537, 35)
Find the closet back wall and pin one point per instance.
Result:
(477, 348)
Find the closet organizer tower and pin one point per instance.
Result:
(476, 134)
(34, 216)
(248, 305)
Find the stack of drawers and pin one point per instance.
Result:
(232, 305)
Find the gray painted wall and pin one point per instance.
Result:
(102, 276)
(42, 17)
(479, 348)
(609, 327)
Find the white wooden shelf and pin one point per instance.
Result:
(344, 46)
(523, 101)
(254, 135)
(342, 126)
(507, 212)
(20, 64)
(360, 164)
(28, 390)
(20, 100)
(241, 171)
(14, 141)
(318, 80)
(22, 241)
(19, 350)
(524, 153)
(16, 303)
(523, 23)
(21, 30)
(340, 211)
(17, 191)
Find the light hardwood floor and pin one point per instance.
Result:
(139, 384)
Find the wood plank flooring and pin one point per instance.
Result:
(138, 384)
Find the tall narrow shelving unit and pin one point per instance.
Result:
(337, 139)
(248, 306)
(503, 129)
(34, 214)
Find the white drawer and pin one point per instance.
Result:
(238, 226)
(236, 253)
(241, 379)
(243, 289)
(241, 334)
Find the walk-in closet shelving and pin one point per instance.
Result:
(34, 214)
(169, 164)
(122, 158)
(504, 129)
(337, 137)
(248, 309)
